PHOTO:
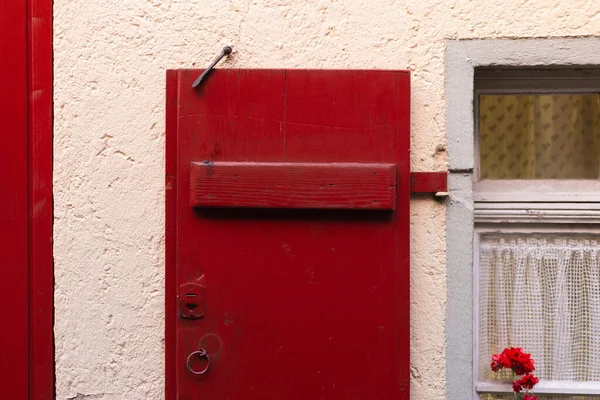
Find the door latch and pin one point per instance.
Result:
(191, 301)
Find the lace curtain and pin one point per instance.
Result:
(541, 293)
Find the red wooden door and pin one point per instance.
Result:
(13, 200)
(26, 284)
(288, 235)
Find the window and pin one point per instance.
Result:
(537, 227)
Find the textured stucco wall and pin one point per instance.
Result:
(110, 58)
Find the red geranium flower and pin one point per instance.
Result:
(513, 353)
(529, 397)
(500, 361)
(528, 381)
(517, 386)
(523, 367)
(521, 363)
(514, 358)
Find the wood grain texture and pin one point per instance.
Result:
(14, 202)
(172, 78)
(26, 215)
(428, 182)
(41, 262)
(293, 185)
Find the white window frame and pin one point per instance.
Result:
(530, 206)
(461, 57)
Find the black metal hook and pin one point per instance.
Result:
(226, 51)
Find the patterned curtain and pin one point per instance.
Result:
(553, 136)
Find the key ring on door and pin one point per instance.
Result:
(200, 354)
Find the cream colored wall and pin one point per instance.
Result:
(110, 62)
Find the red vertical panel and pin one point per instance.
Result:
(297, 304)
(13, 200)
(41, 278)
(26, 297)
(170, 233)
(364, 115)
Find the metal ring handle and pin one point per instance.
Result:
(202, 354)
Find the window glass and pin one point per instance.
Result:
(541, 136)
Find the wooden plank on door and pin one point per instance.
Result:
(293, 185)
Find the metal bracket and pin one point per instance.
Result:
(191, 301)
(429, 182)
(225, 51)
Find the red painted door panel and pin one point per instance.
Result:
(300, 297)
(26, 263)
(14, 217)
